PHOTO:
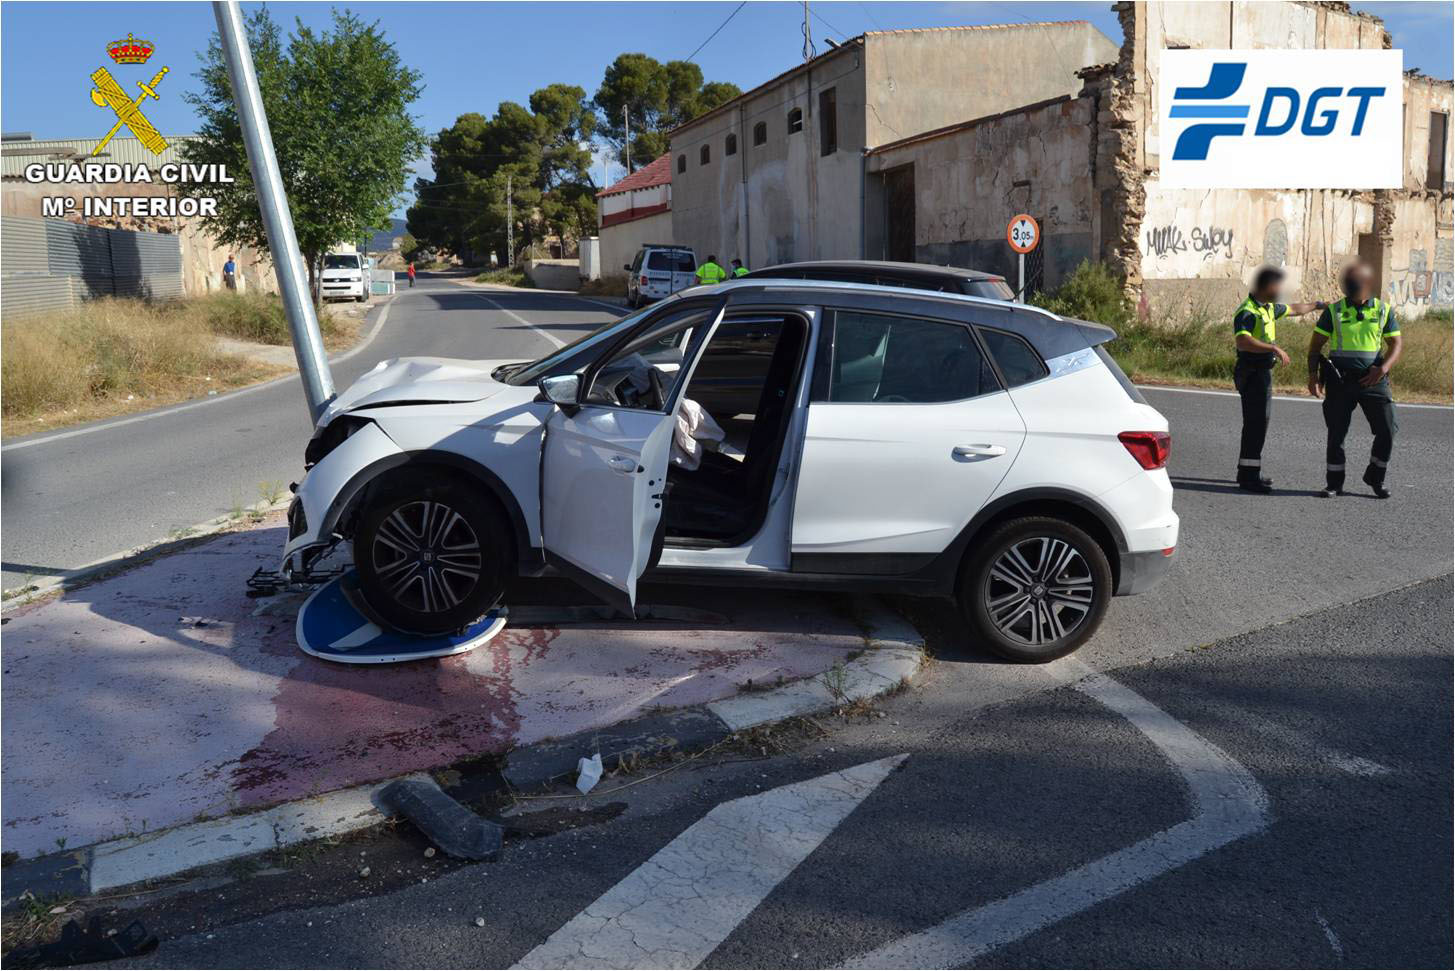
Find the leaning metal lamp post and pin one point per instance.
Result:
(273, 201)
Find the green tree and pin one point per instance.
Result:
(338, 106)
(657, 97)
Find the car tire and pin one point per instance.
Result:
(1035, 589)
(362, 298)
(432, 554)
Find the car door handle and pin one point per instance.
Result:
(979, 451)
(622, 463)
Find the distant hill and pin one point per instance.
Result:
(383, 241)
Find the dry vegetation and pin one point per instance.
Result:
(607, 286)
(113, 356)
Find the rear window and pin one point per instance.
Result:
(676, 262)
(995, 289)
(1018, 361)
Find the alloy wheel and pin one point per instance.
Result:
(1039, 590)
(427, 556)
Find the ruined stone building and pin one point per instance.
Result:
(1087, 167)
(777, 174)
(919, 146)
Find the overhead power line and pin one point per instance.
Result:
(718, 31)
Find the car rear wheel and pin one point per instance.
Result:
(1036, 588)
(432, 555)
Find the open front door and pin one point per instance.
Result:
(604, 467)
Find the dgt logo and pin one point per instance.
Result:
(1282, 119)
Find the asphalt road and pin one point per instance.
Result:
(1296, 665)
(83, 494)
(1047, 831)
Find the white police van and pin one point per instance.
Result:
(659, 271)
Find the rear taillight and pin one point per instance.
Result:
(642, 282)
(1150, 449)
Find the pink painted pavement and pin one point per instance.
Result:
(164, 694)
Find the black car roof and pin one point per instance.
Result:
(882, 266)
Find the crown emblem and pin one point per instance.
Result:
(130, 51)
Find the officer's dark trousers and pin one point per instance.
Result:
(1341, 397)
(1255, 387)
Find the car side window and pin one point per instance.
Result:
(1018, 361)
(887, 359)
(637, 262)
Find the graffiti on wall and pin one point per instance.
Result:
(1210, 241)
(1421, 285)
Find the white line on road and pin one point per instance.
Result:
(1228, 804)
(676, 908)
(555, 341)
(1277, 397)
(188, 406)
(1329, 934)
(1299, 742)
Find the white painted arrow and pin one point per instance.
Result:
(676, 908)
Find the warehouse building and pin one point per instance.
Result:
(777, 174)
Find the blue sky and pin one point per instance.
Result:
(473, 56)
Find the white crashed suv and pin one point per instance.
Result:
(860, 437)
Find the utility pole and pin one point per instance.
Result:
(509, 224)
(273, 203)
(627, 121)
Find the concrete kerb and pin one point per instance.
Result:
(893, 654)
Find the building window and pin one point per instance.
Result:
(828, 122)
(795, 121)
(682, 163)
(730, 147)
(704, 155)
(760, 133)
(1439, 135)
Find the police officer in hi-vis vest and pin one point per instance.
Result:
(1363, 341)
(1254, 326)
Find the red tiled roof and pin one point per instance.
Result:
(659, 172)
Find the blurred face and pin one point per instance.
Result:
(1358, 281)
(1271, 291)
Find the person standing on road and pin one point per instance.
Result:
(1364, 344)
(229, 273)
(1254, 325)
(739, 269)
(410, 271)
(710, 272)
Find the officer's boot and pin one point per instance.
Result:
(1250, 480)
(1334, 484)
(1374, 478)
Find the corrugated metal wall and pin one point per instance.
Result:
(50, 264)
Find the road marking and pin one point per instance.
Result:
(1277, 397)
(202, 403)
(1299, 742)
(676, 908)
(555, 341)
(1228, 804)
(1329, 934)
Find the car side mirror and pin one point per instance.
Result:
(563, 391)
(627, 267)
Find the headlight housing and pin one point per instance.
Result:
(330, 437)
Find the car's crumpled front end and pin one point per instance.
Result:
(349, 445)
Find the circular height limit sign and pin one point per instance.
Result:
(1023, 233)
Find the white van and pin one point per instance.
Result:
(346, 276)
(659, 271)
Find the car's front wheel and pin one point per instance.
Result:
(432, 554)
(1036, 588)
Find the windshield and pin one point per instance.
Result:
(570, 358)
(676, 260)
(341, 261)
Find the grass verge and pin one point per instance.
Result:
(607, 286)
(1193, 346)
(113, 356)
(505, 277)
